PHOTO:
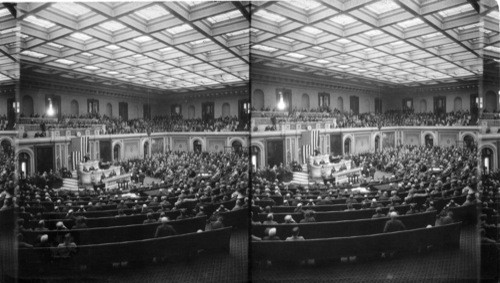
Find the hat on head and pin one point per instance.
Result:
(272, 232)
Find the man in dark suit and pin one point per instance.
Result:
(164, 229)
(394, 225)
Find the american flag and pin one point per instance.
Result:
(310, 142)
(79, 148)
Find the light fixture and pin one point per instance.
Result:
(281, 103)
(16, 106)
(50, 110)
(479, 102)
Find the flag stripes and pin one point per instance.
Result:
(79, 148)
(310, 142)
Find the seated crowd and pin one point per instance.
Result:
(187, 185)
(4, 123)
(421, 177)
(344, 119)
(114, 125)
(7, 179)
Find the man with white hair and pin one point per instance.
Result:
(394, 225)
(271, 235)
(289, 219)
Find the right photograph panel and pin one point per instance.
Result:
(375, 141)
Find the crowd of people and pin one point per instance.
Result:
(115, 125)
(5, 124)
(172, 124)
(7, 179)
(342, 119)
(416, 172)
(184, 182)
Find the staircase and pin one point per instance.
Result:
(70, 184)
(300, 178)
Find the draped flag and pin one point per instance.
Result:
(310, 142)
(79, 148)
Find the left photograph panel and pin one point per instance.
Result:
(9, 109)
(133, 137)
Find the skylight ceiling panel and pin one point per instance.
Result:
(375, 54)
(432, 36)
(494, 15)
(311, 30)
(225, 17)
(264, 48)
(178, 71)
(112, 26)
(342, 20)
(152, 12)
(242, 43)
(200, 49)
(39, 22)
(410, 23)
(382, 7)
(460, 10)
(403, 49)
(81, 36)
(307, 5)
(4, 12)
(70, 8)
(173, 55)
(268, 16)
(143, 39)
(240, 33)
(492, 48)
(179, 29)
(373, 33)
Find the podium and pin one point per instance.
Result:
(89, 174)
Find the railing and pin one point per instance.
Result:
(37, 120)
(269, 113)
(490, 122)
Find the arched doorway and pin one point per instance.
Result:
(429, 140)
(468, 141)
(116, 152)
(24, 164)
(146, 149)
(197, 146)
(6, 147)
(340, 104)
(305, 101)
(255, 157)
(237, 147)
(486, 160)
(347, 146)
(258, 99)
(377, 143)
(75, 111)
(226, 110)
(490, 101)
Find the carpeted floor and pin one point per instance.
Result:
(459, 265)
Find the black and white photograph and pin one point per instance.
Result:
(250, 141)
